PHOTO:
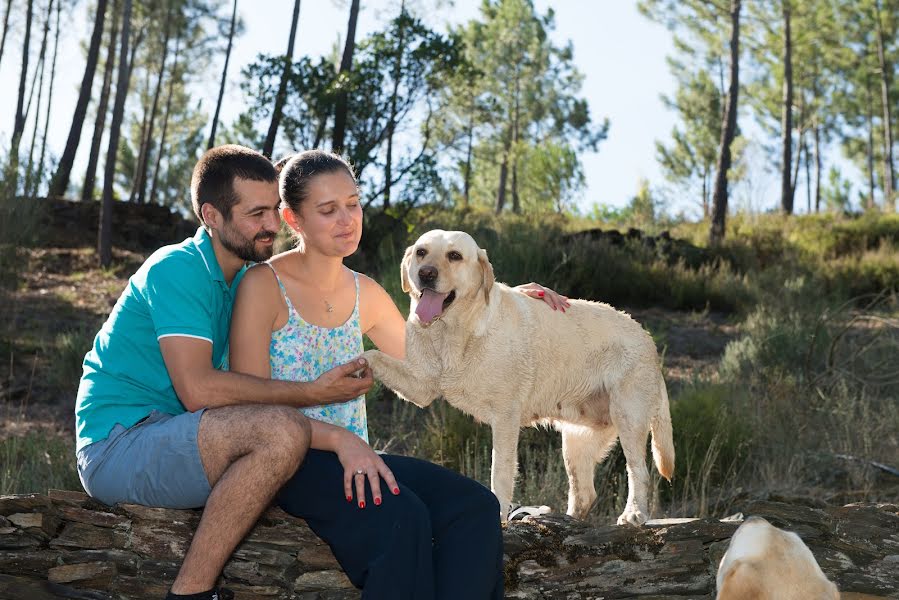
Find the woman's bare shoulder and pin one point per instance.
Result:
(258, 279)
(371, 288)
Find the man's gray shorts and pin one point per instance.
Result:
(156, 462)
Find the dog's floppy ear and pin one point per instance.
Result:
(487, 272)
(404, 269)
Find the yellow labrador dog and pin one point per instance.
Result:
(510, 361)
(764, 563)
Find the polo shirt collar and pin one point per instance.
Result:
(203, 242)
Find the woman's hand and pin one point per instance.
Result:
(535, 290)
(360, 462)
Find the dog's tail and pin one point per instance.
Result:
(662, 440)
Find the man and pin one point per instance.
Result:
(157, 420)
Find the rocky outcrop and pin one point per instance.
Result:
(64, 545)
(137, 227)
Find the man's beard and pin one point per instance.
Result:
(243, 248)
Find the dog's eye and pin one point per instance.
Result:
(420, 253)
(454, 255)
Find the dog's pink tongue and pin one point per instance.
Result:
(430, 306)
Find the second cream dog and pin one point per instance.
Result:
(593, 373)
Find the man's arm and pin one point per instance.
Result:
(198, 385)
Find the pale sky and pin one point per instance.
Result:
(620, 53)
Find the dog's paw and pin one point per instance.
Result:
(371, 357)
(632, 516)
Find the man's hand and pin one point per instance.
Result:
(344, 382)
(360, 462)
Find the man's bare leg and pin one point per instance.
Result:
(248, 453)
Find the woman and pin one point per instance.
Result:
(437, 533)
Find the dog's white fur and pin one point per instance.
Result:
(766, 563)
(511, 361)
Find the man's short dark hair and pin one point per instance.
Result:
(214, 173)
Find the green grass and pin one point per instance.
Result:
(812, 376)
(36, 462)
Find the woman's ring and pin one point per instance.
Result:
(360, 472)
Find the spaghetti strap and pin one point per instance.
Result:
(278, 279)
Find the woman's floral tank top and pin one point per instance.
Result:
(301, 351)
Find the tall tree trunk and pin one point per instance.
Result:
(5, 27)
(722, 91)
(19, 125)
(466, 184)
(816, 135)
(280, 98)
(90, 176)
(503, 174)
(147, 142)
(104, 236)
(165, 120)
(817, 168)
(799, 147)
(516, 201)
(132, 57)
(60, 181)
(889, 175)
(218, 104)
(808, 178)
(871, 204)
(705, 194)
(320, 131)
(786, 122)
(728, 131)
(391, 123)
(144, 123)
(29, 165)
(346, 65)
(40, 165)
(40, 68)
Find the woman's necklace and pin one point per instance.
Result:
(329, 308)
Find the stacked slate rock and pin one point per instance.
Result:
(65, 545)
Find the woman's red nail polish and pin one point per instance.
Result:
(396, 491)
(349, 498)
(541, 294)
(362, 504)
(377, 502)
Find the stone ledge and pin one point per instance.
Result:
(65, 545)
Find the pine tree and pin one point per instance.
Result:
(60, 181)
(218, 103)
(280, 98)
(346, 67)
(104, 236)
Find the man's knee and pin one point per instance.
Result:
(288, 434)
(280, 431)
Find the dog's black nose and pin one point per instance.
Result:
(427, 274)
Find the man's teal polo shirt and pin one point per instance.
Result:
(179, 291)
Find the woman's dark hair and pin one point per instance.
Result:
(300, 169)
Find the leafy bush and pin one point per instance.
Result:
(781, 337)
(711, 440)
